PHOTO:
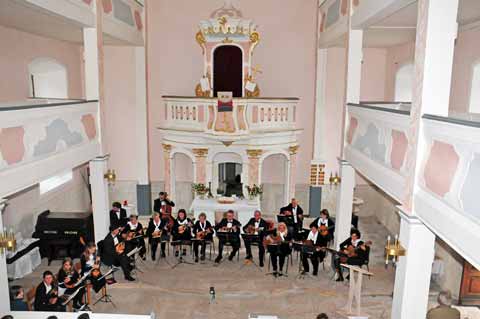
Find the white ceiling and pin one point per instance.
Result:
(400, 27)
(31, 19)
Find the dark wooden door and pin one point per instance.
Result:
(470, 287)
(228, 70)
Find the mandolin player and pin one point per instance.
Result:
(46, 295)
(157, 234)
(254, 232)
(316, 254)
(203, 232)
(353, 251)
(228, 230)
(113, 255)
(182, 230)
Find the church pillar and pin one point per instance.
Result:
(4, 291)
(254, 166)
(412, 277)
(343, 219)
(144, 195)
(292, 150)
(200, 164)
(100, 196)
(167, 160)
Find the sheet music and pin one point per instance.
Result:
(133, 252)
(71, 296)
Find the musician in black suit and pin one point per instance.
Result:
(111, 257)
(202, 230)
(353, 251)
(297, 213)
(182, 230)
(326, 221)
(157, 233)
(230, 227)
(136, 227)
(316, 254)
(279, 247)
(254, 232)
(118, 215)
(46, 295)
(162, 200)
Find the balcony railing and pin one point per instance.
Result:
(249, 115)
(376, 143)
(39, 140)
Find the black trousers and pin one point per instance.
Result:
(154, 244)
(248, 246)
(354, 261)
(316, 259)
(234, 241)
(278, 255)
(202, 244)
(124, 262)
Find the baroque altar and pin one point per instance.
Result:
(244, 136)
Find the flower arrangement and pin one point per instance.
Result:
(254, 191)
(199, 189)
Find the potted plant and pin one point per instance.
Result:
(200, 190)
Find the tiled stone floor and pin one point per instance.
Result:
(183, 292)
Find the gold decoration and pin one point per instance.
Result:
(254, 39)
(293, 149)
(227, 40)
(200, 152)
(110, 176)
(227, 143)
(200, 93)
(254, 153)
(7, 241)
(393, 251)
(167, 147)
(201, 40)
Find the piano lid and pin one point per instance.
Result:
(66, 215)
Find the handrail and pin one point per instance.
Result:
(451, 120)
(34, 106)
(379, 108)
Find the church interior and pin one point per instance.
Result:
(239, 159)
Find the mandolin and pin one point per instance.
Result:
(323, 230)
(202, 234)
(120, 248)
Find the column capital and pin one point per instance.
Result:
(3, 204)
(200, 152)
(167, 147)
(254, 153)
(293, 149)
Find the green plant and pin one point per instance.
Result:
(255, 190)
(200, 188)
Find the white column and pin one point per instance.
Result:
(320, 115)
(343, 219)
(354, 65)
(4, 291)
(91, 67)
(141, 117)
(412, 278)
(100, 197)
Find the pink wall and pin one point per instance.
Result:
(14, 60)
(396, 57)
(467, 53)
(286, 52)
(120, 131)
(374, 65)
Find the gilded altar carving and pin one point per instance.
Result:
(292, 150)
(254, 153)
(167, 147)
(200, 152)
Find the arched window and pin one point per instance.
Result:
(404, 83)
(48, 79)
(475, 90)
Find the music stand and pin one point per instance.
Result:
(227, 237)
(134, 253)
(277, 247)
(106, 298)
(180, 259)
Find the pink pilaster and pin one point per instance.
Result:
(253, 166)
(200, 164)
(292, 150)
(168, 167)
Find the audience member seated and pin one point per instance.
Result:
(17, 302)
(444, 309)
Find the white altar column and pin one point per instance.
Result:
(100, 197)
(254, 166)
(292, 150)
(4, 291)
(343, 219)
(412, 277)
(200, 164)
(167, 162)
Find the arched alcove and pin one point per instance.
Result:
(228, 174)
(474, 103)
(228, 70)
(275, 182)
(404, 83)
(183, 178)
(48, 79)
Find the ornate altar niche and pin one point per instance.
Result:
(255, 129)
(227, 41)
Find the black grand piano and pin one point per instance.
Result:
(63, 234)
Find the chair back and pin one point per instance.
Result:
(30, 298)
